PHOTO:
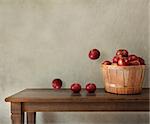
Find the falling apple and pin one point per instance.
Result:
(76, 87)
(57, 83)
(94, 54)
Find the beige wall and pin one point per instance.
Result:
(44, 39)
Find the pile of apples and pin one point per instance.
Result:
(122, 58)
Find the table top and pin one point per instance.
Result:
(66, 95)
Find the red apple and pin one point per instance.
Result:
(76, 87)
(115, 59)
(90, 87)
(141, 60)
(122, 52)
(94, 54)
(123, 62)
(56, 83)
(107, 63)
(135, 62)
(132, 57)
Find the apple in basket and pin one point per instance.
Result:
(132, 57)
(141, 60)
(123, 61)
(122, 52)
(115, 59)
(135, 60)
(122, 58)
(107, 62)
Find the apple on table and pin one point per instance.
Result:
(57, 83)
(90, 87)
(76, 87)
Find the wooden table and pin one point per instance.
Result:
(48, 100)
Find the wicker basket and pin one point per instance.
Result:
(123, 79)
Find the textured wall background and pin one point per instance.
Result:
(44, 39)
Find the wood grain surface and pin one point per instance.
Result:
(65, 95)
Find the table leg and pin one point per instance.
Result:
(31, 117)
(17, 116)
